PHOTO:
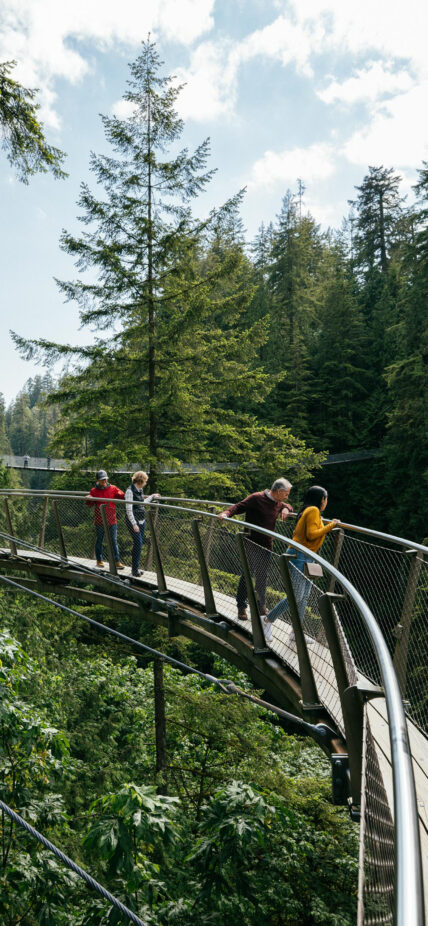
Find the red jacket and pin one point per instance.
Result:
(109, 492)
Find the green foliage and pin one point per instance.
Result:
(23, 137)
(177, 356)
(247, 826)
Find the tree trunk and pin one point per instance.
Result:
(160, 727)
(153, 448)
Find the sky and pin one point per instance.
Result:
(285, 89)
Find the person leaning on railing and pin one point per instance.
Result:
(104, 490)
(135, 516)
(261, 509)
(309, 532)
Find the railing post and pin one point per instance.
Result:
(210, 608)
(256, 624)
(12, 543)
(43, 525)
(403, 629)
(149, 558)
(352, 697)
(210, 532)
(309, 689)
(338, 538)
(59, 529)
(162, 589)
(110, 551)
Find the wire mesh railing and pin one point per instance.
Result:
(376, 578)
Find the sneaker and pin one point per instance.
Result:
(292, 638)
(242, 615)
(119, 565)
(100, 563)
(137, 573)
(267, 627)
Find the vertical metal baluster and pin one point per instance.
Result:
(407, 613)
(210, 608)
(338, 538)
(43, 525)
(12, 543)
(59, 530)
(258, 635)
(309, 688)
(162, 589)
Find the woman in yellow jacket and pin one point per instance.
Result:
(309, 532)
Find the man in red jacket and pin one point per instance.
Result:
(104, 490)
(261, 509)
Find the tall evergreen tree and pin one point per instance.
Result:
(378, 216)
(296, 255)
(378, 209)
(405, 445)
(338, 360)
(163, 381)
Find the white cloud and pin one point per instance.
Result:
(393, 28)
(282, 40)
(395, 135)
(210, 83)
(123, 109)
(316, 162)
(368, 84)
(38, 33)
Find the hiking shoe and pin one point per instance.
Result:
(242, 615)
(100, 563)
(119, 565)
(292, 639)
(267, 628)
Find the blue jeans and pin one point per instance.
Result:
(137, 543)
(99, 537)
(301, 585)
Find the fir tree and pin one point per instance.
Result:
(405, 445)
(23, 137)
(164, 380)
(296, 255)
(338, 362)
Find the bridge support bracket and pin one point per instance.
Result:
(340, 779)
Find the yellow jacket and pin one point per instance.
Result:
(309, 530)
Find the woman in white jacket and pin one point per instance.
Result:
(135, 516)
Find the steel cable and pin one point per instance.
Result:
(91, 882)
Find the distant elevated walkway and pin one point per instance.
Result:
(56, 465)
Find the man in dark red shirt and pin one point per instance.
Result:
(104, 490)
(261, 509)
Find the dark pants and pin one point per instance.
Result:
(99, 537)
(258, 561)
(137, 543)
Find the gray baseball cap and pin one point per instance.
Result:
(101, 474)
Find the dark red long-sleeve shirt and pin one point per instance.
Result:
(262, 511)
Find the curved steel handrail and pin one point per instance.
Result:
(166, 499)
(408, 869)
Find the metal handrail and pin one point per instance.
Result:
(409, 903)
(165, 499)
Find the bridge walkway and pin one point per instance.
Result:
(321, 660)
(343, 680)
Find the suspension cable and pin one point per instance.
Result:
(95, 885)
(320, 732)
